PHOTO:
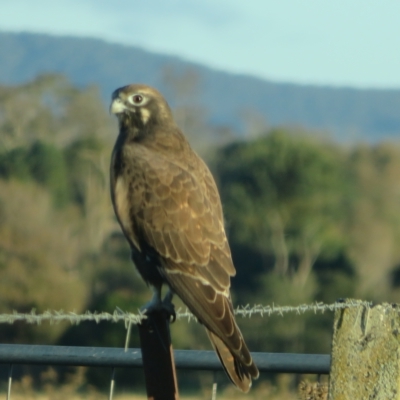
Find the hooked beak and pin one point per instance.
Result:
(117, 106)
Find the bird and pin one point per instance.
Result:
(169, 209)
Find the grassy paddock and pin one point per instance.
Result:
(47, 386)
(76, 388)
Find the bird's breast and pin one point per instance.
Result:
(121, 199)
(123, 208)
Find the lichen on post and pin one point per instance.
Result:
(365, 352)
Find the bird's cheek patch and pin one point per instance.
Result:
(145, 115)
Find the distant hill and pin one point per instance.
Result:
(348, 113)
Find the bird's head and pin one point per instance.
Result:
(139, 106)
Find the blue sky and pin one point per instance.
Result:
(342, 42)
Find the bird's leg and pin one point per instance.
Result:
(157, 305)
(168, 306)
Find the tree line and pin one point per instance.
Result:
(308, 219)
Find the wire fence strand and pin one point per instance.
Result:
(54, 317)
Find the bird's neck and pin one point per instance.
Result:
(161, 135)
(130, 129)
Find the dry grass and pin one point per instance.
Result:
(131, 396)
(76, 388)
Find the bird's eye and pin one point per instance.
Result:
(137, 98)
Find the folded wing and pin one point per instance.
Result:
(181, 219)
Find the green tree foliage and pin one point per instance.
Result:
(48, 168)
(43, 163)
(14, 163)
(54, 197)
(287, 197)
(285, 194)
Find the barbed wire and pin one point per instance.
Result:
(54, 317)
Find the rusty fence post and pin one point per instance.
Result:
(158, 357)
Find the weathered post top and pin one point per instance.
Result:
(365, 353)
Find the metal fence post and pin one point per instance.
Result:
(158, 357)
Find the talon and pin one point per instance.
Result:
(169, 309)
(157, 305)
(165, 307)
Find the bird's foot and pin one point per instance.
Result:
(165, 306)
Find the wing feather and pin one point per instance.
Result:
(214, 311)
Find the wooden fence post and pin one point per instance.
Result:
(158, 357)
(366, 353)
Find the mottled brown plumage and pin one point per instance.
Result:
(169, 209)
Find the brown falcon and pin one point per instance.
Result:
(169, 209)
